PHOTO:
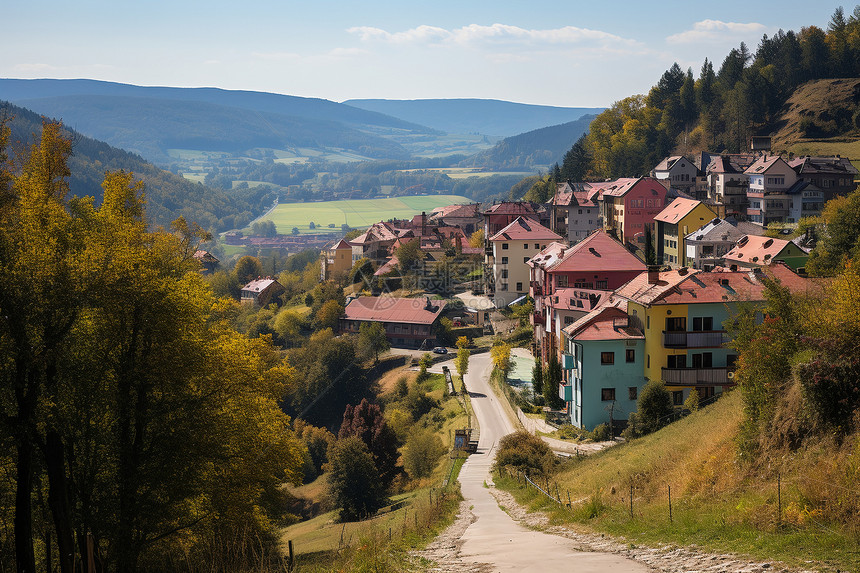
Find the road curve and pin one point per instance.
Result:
(494, 538)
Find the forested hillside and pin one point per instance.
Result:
(539, 148)
(722, 107)
(168, 195)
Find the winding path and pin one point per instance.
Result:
(492, 540)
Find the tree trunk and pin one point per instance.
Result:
(58, 500)
(24, 557)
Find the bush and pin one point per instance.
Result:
(526, 453)
(601, 433)
(692, 401)
(655, 403)
(634, 427)
(422, 453)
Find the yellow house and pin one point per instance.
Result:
(680, 218)
(335, 260)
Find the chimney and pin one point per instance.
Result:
(653, 274)
(423, 223)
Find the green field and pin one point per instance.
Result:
(359, 213)
(466, 172)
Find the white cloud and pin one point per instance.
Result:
(716, 30)
(476, 34)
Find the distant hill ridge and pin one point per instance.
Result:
(484, 116)
(539, 148)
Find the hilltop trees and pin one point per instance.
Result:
(717, 111)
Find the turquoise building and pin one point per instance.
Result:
(604, 366)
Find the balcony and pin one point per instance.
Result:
(696, 376)
(537, 288)
(694, 339)
(538, 318)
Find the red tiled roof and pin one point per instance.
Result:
(525, 229)
(677, 210)
(387, 267)
(756, 249)
(604, 323)
(511, 208)
(641, 291)
(598, 252)
(390, 309)
(548, 255)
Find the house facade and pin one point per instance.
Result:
(261, 291)
(606, 376)
(706, 247)
(507, 272)
(770, 179)
(408, 322)
(674, 223)
(629, 205)
(335, 260)
(677, 172)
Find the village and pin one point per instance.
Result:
(630, 280)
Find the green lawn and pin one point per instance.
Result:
(358, 213)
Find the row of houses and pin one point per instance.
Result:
(662, 325)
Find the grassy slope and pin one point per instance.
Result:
(356, 213)
(818, 100)
(718, 503)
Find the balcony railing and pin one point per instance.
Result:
(539, 318)
(694, 339)
(696, 376)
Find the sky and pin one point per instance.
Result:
(568, 53)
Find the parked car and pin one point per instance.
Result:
(440, 350)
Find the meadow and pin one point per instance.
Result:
(358, 213)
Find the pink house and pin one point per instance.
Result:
(629, 205)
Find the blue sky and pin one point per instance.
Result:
(565, 53)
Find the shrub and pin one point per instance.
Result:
(692, 401)
(601, 433)
(655, 403)
(526, 453)
(634, 427)
(422, 453)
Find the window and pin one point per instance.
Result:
(537, 246)
(648, 322)
(504, 260)
(525, 259)
(703, 360)
(677, 361)
(648, 357)
(504, 286)
(561, 281)
(607, 358)
(607, 394)
(630, 355)
(525, 245)
(632, 392)
(678, 397)
(504, 246)
(603, 285)
(504, 273)
(703, 323)
(580, 211)
(519, 287)
(676, 324)
(568, 320)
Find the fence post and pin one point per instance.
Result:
(779, 498)
(290, 556)
(670, 504)
(631, 501)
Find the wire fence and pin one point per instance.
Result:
(543, 485)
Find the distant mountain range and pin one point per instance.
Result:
(534, 149)
(484, 116)
(152, 120)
